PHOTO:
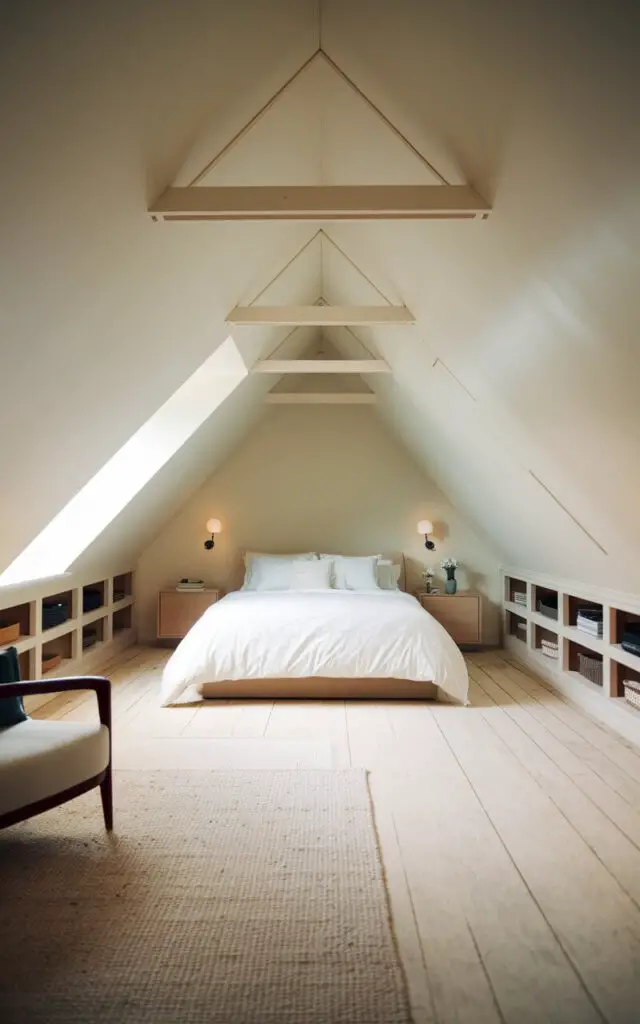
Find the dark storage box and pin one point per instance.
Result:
(548, 605)
(91, 599)
(54, 612)
(630, 640)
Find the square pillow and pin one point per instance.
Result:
(11, 708)
(253, 559)
(316, 575)
(388, 575)
(358, 573)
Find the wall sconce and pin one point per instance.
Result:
(425, 528)
(213, 526)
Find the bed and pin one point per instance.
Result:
(322, 644)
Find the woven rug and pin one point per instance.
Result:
(223, 898)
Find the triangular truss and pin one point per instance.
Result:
(442, 201)
(320, 313)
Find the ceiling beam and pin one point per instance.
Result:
(319, 316)
(321, 366)
(320, 202)
(316, 398)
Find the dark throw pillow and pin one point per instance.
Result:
(11, 708)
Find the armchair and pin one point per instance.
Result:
(45, 763)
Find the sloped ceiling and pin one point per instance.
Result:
(517, 387)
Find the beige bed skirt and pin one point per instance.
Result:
(320, 688)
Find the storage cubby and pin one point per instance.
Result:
(517, 626)
(585, 663)
(592, 664)
(619, 621)
(93, 633)
(574, 604)
(57, 652)
(619, 673)
(546, 642)
(94, 595)
(15, 624)
(56, 609)
(56, 627)
(516, 591)
(122, 586)
(545, 602)
(122, 619)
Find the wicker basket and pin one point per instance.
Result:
(9, 633)
(632, 692)
(590, 668)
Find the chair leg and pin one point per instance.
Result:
(106, 794)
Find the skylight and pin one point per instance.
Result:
(92, 509)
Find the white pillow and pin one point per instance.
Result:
(388, 575)
(354, 573)
(250, 558)
(316, 575)
(268, 573)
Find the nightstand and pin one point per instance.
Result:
(179, 609)
(460, 614)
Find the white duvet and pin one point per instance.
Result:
(332, 633)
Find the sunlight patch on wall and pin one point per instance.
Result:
(92, 509)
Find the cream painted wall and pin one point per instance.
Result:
(517, 389)
(315, 478)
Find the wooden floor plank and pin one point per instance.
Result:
(619, 749)
(588, 911)
(456, 858)
(613, 848)
(560, 719)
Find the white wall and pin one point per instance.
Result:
(315, 478)
(517, 389)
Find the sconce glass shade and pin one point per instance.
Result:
(214, 526)
(424, 527)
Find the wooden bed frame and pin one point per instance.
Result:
(319, 688)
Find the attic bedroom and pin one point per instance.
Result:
(319, 545)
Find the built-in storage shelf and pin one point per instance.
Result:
(122, 586)
(122, 618)
(57, 610)
(593, 664)
(59, 632)
(94, 596)
(546, 642)
(517, 626)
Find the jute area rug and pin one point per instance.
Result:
(223, 898)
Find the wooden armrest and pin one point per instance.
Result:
(35, 687)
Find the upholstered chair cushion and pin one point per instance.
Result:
(39, 759)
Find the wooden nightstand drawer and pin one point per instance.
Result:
(460, 614)
(178, 611)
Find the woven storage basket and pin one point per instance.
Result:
(632, 692)
(590, 668)
(9, 633)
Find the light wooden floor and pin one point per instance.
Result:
(510, 830)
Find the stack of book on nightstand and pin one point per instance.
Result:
(189, 584)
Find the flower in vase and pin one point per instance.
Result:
(449, 565)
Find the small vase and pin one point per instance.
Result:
(451, 585)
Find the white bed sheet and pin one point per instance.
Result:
(332, 633)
